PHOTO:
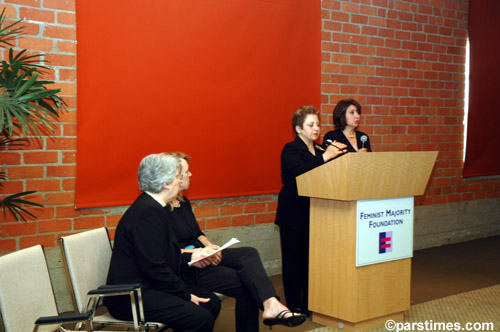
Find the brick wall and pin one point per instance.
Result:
(403, 60)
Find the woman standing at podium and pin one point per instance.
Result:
(292, 215)
(346, 116)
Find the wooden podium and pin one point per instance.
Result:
(342, 295)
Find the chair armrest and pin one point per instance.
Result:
(63, 319)
(125, 287)
(115, 289)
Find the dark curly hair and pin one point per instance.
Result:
(340, 109)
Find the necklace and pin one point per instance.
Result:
(352, 134)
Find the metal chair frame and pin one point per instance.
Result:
(96, 243)
(26, 294)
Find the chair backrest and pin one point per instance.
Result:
(87, 256)
(25, 289)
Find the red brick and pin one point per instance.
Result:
(67, 116)
(218, 222)
(242, 220)
(255, 208)
(7, 246)
(67, 74)
(89, 222)
(60, 198)
(43, 185)
(25, 172)
(69, 157)
(40, 157)
(66, 212)
(61, 171)
(203, 212)
(61, 143)
(349, 7)
(44, 240)
(30, 3)
(58, 32)
(69, 184)
(68, 5)
(17, 229)
(66, 18)
(39, 44)
(237, 201)
(62, 60)
(10, 11)
(111, 232)
(68, 89)
(53, 226)
(332, 26)
(11, 158)
(228, 210)
(94, 212)
(112, 221)
(11, 187)
(266, 218)
(272, 206)
(32, 14)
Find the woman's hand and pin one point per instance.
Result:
(205, 252)
(200, 254)
(333, 150)
(217, 258)
(197, 300)
(363, 150)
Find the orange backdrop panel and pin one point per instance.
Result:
(218, 80)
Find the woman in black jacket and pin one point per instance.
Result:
(145, 251)
(347, 116)
(292, 216)
(235, 272)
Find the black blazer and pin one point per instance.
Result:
(293, 210)
(338, 135)
(184, 224)
(145, 251)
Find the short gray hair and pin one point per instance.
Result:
(155, 170)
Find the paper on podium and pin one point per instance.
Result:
(227, 244)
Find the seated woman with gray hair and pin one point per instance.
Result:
(145, 251)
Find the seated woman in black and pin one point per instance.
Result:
(145, 251)
(346, 116)
(235, 272)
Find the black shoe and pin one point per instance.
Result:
(292, 321)
(305, 312)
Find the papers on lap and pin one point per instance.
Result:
(227, 244)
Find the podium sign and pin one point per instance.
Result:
(384, 230)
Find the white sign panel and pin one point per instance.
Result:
(384, 230)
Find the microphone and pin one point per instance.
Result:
(363, 140)
(330, 142)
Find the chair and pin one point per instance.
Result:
(87, 257)
(26, 294)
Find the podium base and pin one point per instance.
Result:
(365, 325)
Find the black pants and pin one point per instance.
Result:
(295, 267)
(177, 313)
(242, 276)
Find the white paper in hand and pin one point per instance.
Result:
(224, 246)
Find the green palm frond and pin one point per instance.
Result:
(27, 106)
(9, 32)
(7, 141)
(13, 204)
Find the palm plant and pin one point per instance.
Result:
(27, 106)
